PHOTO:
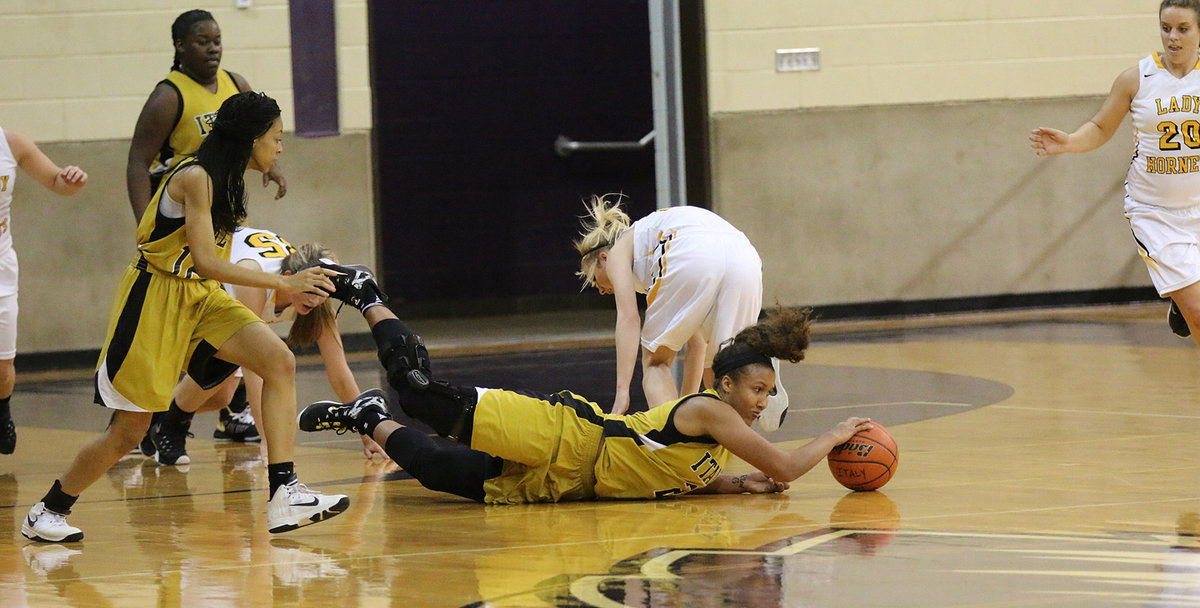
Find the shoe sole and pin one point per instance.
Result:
(33, 536)
(333, 511)
(182, 460)
(222, 436)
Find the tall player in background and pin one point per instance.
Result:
(181, 108)
(703, 284)
(313, 322)
(17, 150)
(1162, 187)
(178, 116)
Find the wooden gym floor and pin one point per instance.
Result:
(1047, 458)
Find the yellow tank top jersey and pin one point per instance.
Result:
(197, 111)
(645, 456)
(162, 240)
(563, 447)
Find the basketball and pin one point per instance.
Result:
(867, 461)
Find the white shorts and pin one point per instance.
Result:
(8, 327)
(1169, 241)
(711, 287)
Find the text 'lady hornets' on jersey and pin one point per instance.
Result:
(1166, 122)
(594, 454)
(165, 318)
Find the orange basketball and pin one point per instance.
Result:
(867, 461)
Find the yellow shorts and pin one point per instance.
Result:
(549, 444)
(159, 326)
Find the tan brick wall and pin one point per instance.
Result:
(881, 52)
(80, 70)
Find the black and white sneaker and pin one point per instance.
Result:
(236, 426)
(342, 417)
(46, 526)
(294, 505)
(355, 285)
(1177, 322)
(170, 442)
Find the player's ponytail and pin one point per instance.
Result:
(601, 226)
(782, 335)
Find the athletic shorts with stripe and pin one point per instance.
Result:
(161, 325)
(549, 444)
(1168, 239)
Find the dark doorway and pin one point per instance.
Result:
(476, 209)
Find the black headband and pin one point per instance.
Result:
(594, 249)
(736, 360)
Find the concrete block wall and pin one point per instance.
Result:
(901, 169)
(77, 73)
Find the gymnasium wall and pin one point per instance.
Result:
(76, 75)
(901, 169)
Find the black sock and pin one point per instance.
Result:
(238, 403)
(280, 474)
(5, 413)
(58, 501)
(367, 422)
(177, 417)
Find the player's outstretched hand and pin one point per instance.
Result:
(758, 483)
(274, 175)
(1048, 142)
(848, 427)
(314, 280)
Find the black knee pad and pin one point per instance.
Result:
(401, 352)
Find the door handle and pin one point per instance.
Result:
(565, 146)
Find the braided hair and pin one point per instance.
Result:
(182, 26)
(226, 151)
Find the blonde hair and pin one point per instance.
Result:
(602, 225)
(306, 329)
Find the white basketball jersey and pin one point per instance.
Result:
(268, 249)
(1165, 170)
(8, 181)
(655, 235)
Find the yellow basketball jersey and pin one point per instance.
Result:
(198, 110)
(561, 446)
(162, 241)
(644, 456)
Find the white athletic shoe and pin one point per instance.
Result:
(294, 505)
(46, 526)
(777, 404)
